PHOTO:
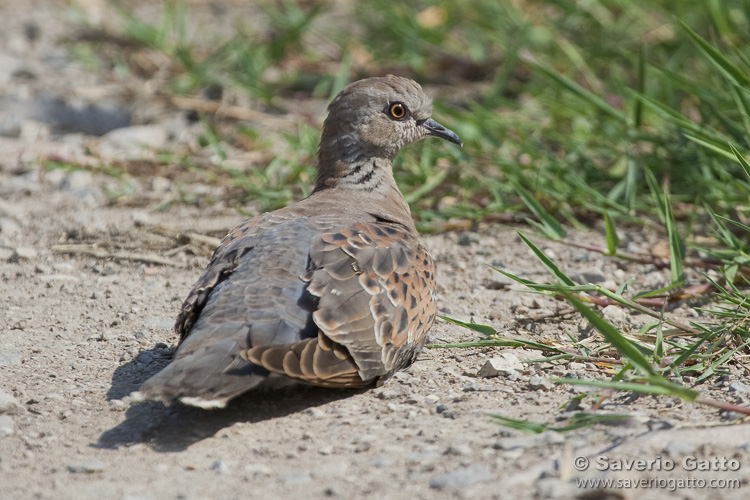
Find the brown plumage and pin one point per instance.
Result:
(334, 290)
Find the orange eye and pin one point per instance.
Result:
(397, 110)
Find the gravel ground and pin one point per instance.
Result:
(79, 332)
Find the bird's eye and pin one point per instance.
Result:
(398, 111)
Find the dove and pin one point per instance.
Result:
(334, 290)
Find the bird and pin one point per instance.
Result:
(334, 290)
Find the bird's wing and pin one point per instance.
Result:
(250, 294)
(224, 261)
(375, 286)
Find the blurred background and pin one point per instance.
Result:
(571, 109)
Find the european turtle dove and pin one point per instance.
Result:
(334, 290)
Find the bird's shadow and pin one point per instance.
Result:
(175, 428)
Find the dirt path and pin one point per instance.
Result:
(78, 333)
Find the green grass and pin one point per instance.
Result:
(567, 105)
(630, 112)
(704, 349)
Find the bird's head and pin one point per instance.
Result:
(376, 118)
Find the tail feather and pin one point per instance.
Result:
(207, 377)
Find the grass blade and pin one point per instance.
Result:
(613, 336)
(577, 421)
(578, 90)
(676, 245)
(668, 389)
(638, 110)
(551, 267)
(741, 159)
(711, 146)
(549, 225)
(719, 60)
(660, 291)
(612, 240)
(483, 329)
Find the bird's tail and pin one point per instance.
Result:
(206, 376)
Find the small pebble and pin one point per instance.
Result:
(6, 425)
(22, 253)
(679, 448)
(537, 383)
(739, 388)
(585, 278)
(258, 469)
(314, 412)
(220, 466)
(9, 405)
(295, 478)
(10, 358)
(458, 449)
(468, 238)
(379, 461)
(615, 315)
(392, 392)
(88, 466)
(506, 364)
(461, 478)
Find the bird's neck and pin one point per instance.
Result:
(347, 161)
(371, 182)
(367, 175)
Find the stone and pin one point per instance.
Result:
(22, 254)
(538, 383)
(545, 438)
(506, 364)
(6, 425)
(421, 457)
(461, 478)
(551, 437)
(379, 461)
(9, 405)
(615, 315)
(587, 277)
(220, 467)
(295, 478)
(258, 469)
(8, 227)
(161, 184)
(458, 449)
(678, 448)
(739, 388)
(391, 392)
(10, 358)
(467, 238)
(79, 180)
(326, 449)
(89, 466)
(133, 140)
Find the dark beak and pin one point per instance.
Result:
(434, 129)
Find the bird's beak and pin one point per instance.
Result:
(434, 129)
